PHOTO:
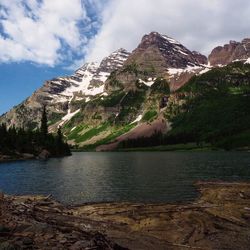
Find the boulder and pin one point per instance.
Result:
(28, 156)
(45, 154)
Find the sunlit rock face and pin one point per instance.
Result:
(233, 51)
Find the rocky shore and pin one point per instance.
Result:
(43, 155)
(218, 219)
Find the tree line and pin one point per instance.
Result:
(19, 140)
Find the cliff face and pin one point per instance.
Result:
(223, 55)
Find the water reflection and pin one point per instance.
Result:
(148, 177)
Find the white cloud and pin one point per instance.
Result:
(199, 24)
(38, 31)
(48, 31)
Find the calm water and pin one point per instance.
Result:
(147, 177)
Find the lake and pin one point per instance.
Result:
(113, 176)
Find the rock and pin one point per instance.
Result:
(4, 229)
(7, 246)
(155, 54)
(28, 156)
(79, 245)
(1, 196)
(27, 241)
(223, 55)
(45, 154)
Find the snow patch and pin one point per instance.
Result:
(73, 129)
(95, 91)
(137, 119)
(87, 75)
(247, 61)
(68, 117)
(171, 40)
(149, 82)
(102, 76)
(189, 69)
(204, 71)
(77, 98)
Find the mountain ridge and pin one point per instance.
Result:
(102, 101)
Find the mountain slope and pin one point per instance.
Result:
(58, 94)
(211, 109)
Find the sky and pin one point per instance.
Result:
(43, 39)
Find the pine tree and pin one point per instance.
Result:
(44, 123)
(59, 136)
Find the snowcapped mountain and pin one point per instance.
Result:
(58, 94)
(160, 56)
(126, 95)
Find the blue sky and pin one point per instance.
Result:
(19, 80)
(42, 39)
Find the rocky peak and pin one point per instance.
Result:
(166, 51)
(246, 41)
(87, 67)
(155, 38)
(201, 59)
(114, 61)
(223, 55)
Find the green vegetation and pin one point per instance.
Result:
(19, 141)
(78, 137)
(215, 112)
(113, 99)
(161, 86)
(76, 119)
(130, 105)
(219, 111)
(116, 132)
(74, 133)
(149, 115)
(113, 80)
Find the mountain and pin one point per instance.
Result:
(159, 56)
(234, 51)
(163, 52)
(128, 96)
(58, 94)
(217, 110)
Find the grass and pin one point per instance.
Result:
(91, 133)
(149, 115)
(111, 137)
(75, 133)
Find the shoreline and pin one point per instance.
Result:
(131, 150)
(33, 157)
(218, 219)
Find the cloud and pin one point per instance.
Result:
(200, 25)
(70, 32)
(42, 31)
